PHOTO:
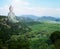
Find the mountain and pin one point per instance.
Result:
(33, 18)
(46, 18)
(29, 18)
(57, 20)
(15, 27)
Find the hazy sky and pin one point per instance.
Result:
(31, 7)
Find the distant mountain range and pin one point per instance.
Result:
(29, 18)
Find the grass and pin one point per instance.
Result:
(40, 35)
(45, 27)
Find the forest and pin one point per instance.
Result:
(31, 35)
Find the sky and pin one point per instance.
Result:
(31, 7)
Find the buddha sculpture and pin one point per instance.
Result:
(11, 16)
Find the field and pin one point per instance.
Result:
(45, 27)
(40, 35)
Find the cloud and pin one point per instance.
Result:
(38, 11)
(4, 10)
(22, 7)
(19, 3)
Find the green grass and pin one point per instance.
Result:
(40, 35)
(45, 27)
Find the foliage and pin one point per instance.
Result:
(33, 35)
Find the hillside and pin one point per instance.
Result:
(26, 34)
(8, 30)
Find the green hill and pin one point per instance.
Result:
(10, 32)
(26, 35)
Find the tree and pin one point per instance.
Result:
(55, 38)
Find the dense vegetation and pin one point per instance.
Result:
(41, 35)
(33, 36)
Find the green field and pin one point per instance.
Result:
(45, 27)
(40, 35)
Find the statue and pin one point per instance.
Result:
(11, 16)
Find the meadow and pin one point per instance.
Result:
(40, 35)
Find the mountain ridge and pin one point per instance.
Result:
(29, 18)
(36, 18)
